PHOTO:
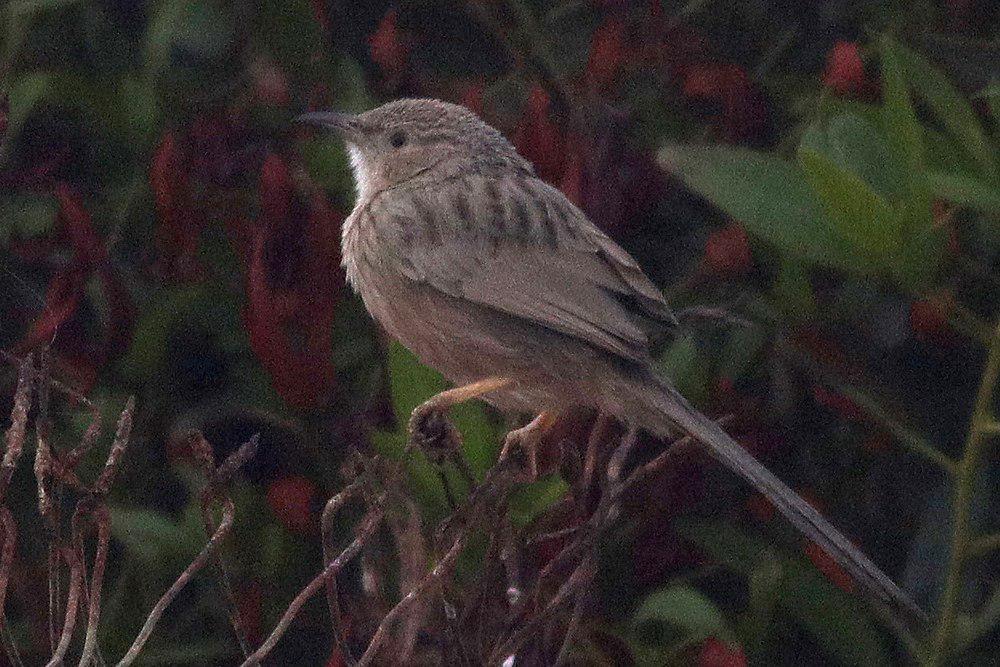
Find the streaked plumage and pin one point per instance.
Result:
(483, 270)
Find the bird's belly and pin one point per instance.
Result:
(466, 342)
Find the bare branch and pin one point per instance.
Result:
(14, 437)
(102, 520)
(443, 567)
(75, 559)
(122, 433)
(368, 526)
(228, 513)
(52, 382)
(330, 511)
(6, 554)
(212, 492)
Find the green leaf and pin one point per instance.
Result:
(949, 106)
(858, 146)
(991, 94)
(844, 629)
(861, 215)
(740, 351)
(163, 24)
(413, 383)
(685, 608)
(770, 196)
(793, 292)
(24, 94)
(965, 190)
(683, 364)
(150, 535)
(899, 120)
(27, 216)
(531, 500)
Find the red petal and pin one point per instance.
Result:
(76, 221)
(275, 190)
(387, 48)
(845, 72)
(539, 139)
(61, 300)
(607, 52)
(179, 228)
(715, 653)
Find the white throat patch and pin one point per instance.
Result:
(362, 172)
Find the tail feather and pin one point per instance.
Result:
(667, 410)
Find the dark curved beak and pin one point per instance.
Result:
(344, 124)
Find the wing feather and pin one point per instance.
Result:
(529, 253)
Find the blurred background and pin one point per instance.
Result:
(815, 185)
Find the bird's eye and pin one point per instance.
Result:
(397, 139)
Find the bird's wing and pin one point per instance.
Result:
(518, 245)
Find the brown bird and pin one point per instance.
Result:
(495, 279)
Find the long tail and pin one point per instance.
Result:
(667, 409)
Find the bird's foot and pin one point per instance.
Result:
(432, 431)
(524, 443)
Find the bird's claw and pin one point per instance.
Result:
(522, 443)
(432, 431)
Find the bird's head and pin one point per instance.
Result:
(408, 138)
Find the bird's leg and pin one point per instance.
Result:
(528, 438)
(429, 426)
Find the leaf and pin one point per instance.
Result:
(840, 625)
(965, 190)
(531, 500)
(793, 292)
(769, 195)
(683, 364)
(413, 383)
(862, 216)
(163, 23)
(950, 107)
(686, 608)
(149, 535)
(856, 145)
(899, 120)
(991, 94)
(740, 351)
(27, 216)
(24, 94)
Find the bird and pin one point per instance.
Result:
(492, 276)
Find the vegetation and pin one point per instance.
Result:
(816, 187)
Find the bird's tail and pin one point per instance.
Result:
(666, 410)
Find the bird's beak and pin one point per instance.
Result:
(345, 124)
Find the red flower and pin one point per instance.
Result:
(844, 73)
(715, 653)
(727, 251)
(572, 180)
(388, 49)
(291, 499)
(78, 356)
(829, 567)
(179, 225)
(760, 507)
(88, 250)
(607, 52)
(837, 402)
(539, 139)
(472, 97)
(293, 279)
(740, 113)
(929, 316)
